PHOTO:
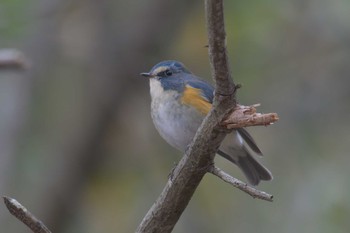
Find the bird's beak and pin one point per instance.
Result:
(147, 75)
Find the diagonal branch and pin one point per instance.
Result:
(187, 175)
(22, 214)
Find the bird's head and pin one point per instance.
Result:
(168, 76)
(166, 69)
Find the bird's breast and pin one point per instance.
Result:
(175, 122)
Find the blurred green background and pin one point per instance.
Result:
(77, 144)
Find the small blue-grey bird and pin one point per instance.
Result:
(180, 102)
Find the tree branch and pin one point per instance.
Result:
(224, 86)
(240, 184)
(187, 175)
(22, 214)
(245, 116)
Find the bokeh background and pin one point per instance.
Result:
(77, 144)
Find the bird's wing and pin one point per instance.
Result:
(249, 140)
(198, 94)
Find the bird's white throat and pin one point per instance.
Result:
(156, 88)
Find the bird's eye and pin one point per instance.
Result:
(168, 72)
(165, 73)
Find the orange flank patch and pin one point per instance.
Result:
(193, 97)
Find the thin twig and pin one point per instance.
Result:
(244, 116)
(22, 214)
(255, 193)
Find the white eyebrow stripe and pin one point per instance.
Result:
(160, 69)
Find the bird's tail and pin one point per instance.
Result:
(252, 169)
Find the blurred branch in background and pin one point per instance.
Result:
(12, 63)
(13, 59)
(14, 98)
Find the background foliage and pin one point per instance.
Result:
(77, 143)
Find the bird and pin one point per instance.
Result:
(179, 103)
